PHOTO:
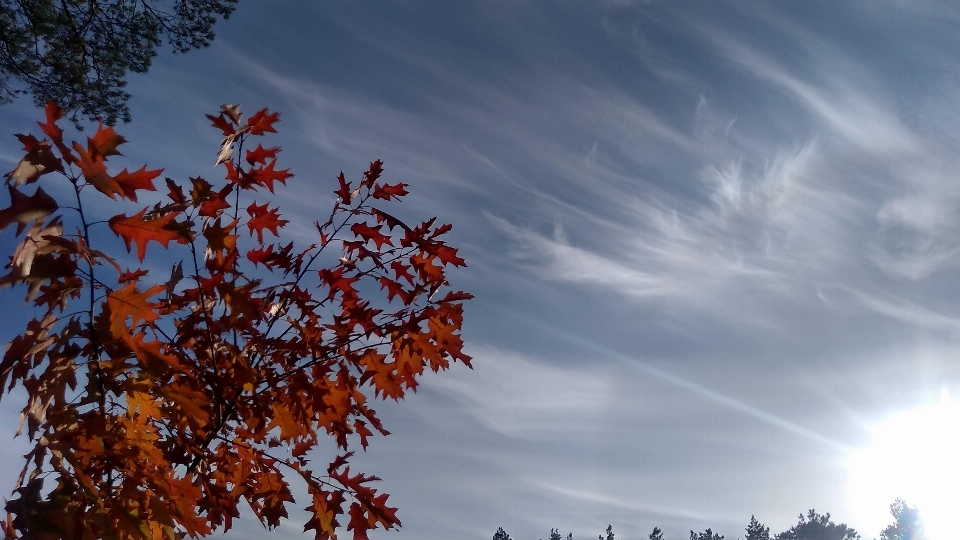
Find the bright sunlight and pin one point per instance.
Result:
(914, 456)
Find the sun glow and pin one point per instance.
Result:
(914, 456)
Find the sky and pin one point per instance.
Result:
(713, 245)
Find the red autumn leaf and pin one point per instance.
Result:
(262, 122)
(389, 191)
(339, 461)
(220, 122)
(373, 173)
(284, 419)
(344, 190)
(25, 209)
(260, 255)
(391, 221)
(130, 182)
(369, 234)
(424, 266)
(359, 522)
(455, 296)
(261, 154)
(215, 203)
(175, 192)
(39, 160)
(448, 255)
(443, 229)
(262, 218)
(219, 237)
(129, 303)
(266, 175)
(94, 171)
(401, 271)
(394, 289)
(129, 275)
(50, 127)
(337, 281)
(202, 190)
(104, 142)
(137, 229)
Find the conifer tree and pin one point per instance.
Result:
(906, 525)
(708, 534)
(756, 530)
(816, 526)
(78, 53)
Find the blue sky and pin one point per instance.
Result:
(713, 245)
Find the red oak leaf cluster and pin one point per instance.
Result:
(157, 404)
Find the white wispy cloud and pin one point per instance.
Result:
(915, 221)
(631, 503)
(773, 227)
(518, 397)
(906, 311)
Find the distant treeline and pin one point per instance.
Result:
(813, 526)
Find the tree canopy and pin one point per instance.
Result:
(812, 526)
(816, 526)
(756, 530)
(708, 534)
(78, 52)
(906, 525)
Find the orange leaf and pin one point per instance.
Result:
(50, 127)
(262, 218)
(221, 123)
(129, 302)
(130, 182)
(261, 154)
(359, 522)
(282, 417)
(262, 122)
(105, 142)
(388, 191)
(129, 275)
(369, 233)
(266, 176)
(136, 229)
(95, 172)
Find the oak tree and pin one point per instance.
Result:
(161, 396)
(78, 52)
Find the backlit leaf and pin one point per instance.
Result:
(138, 230)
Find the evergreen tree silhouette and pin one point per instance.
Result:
(756, 530)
